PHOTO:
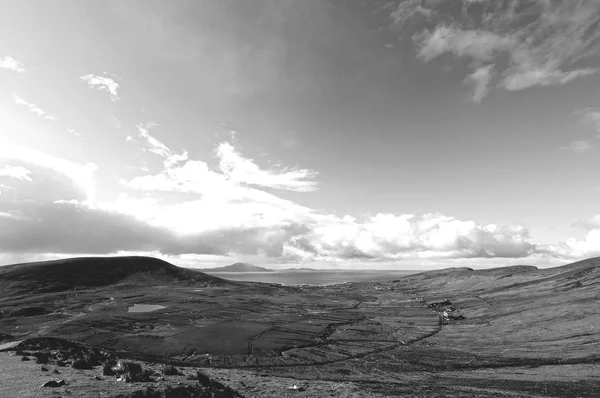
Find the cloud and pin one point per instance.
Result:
(478, 44)
(589, 224)
(34, 109)
(532, 42)
(577, 146)
(80, 176)
(407, 10)
(11, 64)
(525, 78)
(220, 215)
(181, 174)
(588, 246)
(19, 173)
(590, 117)
(115, 121)
(154, 145)
(102, 83)
(194, 176)
(480, 80)
(65, 227)
(389, 237)
(74, 132)
(244, 171)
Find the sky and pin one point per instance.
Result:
(382, 134)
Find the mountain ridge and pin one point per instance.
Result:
(238, 267)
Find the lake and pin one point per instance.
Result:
(145, 308)
(314, 277)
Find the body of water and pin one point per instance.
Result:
(145, 308)
(313, 277)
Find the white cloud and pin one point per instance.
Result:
(480, 80)
(543, 41)
(525, 77)
(34, 109)
(11, 64)
(577, 146)
(103, 83)
(588, 246)
(393, 237)
(115, 121)
(17, 172)
(154, 145)
(193, 176)
(216, 214)
(74, 132)
(590, 117)
(408, 9)
(81, 175)
(478, 44)
(244, 171)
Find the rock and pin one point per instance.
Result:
(54, 383)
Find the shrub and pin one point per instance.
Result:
(82, 363)
(170, 370)
(43, 357)
(107, 369)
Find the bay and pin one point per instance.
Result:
(316, 277)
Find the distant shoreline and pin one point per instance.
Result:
(314, 277)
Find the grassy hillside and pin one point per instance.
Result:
(61, 275)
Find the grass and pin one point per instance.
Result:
(371, 333)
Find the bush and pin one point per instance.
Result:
(170, 370)
(82, 363)
(132, 371)
(107, 369)
(42, 357)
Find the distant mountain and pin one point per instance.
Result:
(238, 267)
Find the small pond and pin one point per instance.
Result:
(145, 307)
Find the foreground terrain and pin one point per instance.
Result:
(514, 331)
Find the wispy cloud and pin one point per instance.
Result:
(17, 172)
(480, 45)
(526, 78)
(480, 79)
(579, 146)
(11, 64)
(103, 83)
(74, 132)
(409, 9)
(34, 108)
(115, 121)
(153, 144)
(543, 41)
(244, 171)
(590, 117)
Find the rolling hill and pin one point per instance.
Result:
(66, 274)
(501, 332)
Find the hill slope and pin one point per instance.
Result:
(549, 313)
(239, 267)
(61, 275)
